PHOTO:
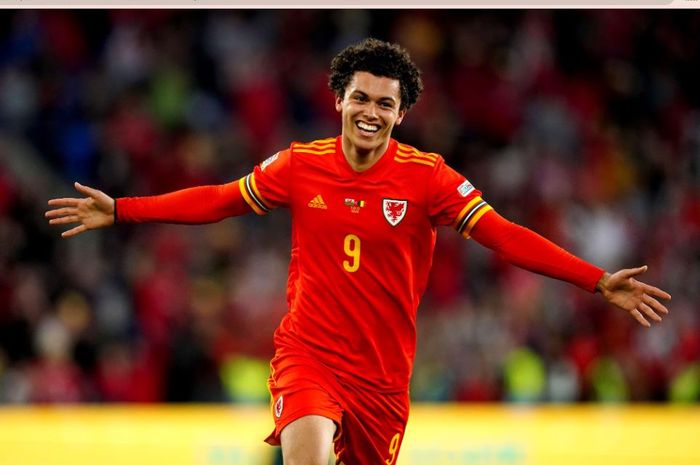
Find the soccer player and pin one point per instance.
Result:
(364, 213)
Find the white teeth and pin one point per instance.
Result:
(367, 127)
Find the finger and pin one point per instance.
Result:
(649, 312)
(65, 220)
(64, 202)
(89, 191)
(75, 231)
(60, 212)
(656, 292)
(629, 272)
(638, 316)
(655, 304)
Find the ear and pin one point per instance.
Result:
(402, 113)
(338, 104)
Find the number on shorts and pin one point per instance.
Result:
(393, 448)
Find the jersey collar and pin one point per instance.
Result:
(345, 168)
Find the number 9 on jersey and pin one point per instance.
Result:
(351, 246)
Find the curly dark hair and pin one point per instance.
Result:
(381, 59)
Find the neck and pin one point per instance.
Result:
(362, 160)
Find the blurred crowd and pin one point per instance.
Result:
(581, 125)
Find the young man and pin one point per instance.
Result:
(364, 214)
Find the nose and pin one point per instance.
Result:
(371, 110)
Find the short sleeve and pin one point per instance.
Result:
(454, 201)
(267, 187)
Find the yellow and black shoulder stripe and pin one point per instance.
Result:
(470, 215)
(252, 196)
(407, 154)
(317, 147)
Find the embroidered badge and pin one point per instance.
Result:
(279, 405)
(394, 210)
(354, 205)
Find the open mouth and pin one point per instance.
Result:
(366, 127)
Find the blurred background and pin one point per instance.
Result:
(582, 125)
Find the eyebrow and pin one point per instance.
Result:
(381, 99)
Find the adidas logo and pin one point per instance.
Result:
(317, 202)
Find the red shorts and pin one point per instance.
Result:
(370, 424)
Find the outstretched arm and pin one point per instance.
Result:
(196, 205)
(527, 249)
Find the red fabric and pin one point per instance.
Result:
(527, 249)
(300, 386)
(370, 426)
(196, 205)
(362, 246)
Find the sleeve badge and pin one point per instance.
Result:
(465, 188)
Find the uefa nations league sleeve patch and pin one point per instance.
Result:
(465, 188)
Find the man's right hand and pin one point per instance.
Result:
(92, 212)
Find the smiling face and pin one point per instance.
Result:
(370, 108)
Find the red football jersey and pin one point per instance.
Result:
(362, 247)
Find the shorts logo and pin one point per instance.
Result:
(394, 210)
(279, 405)
(465, 188)
(271, 159)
